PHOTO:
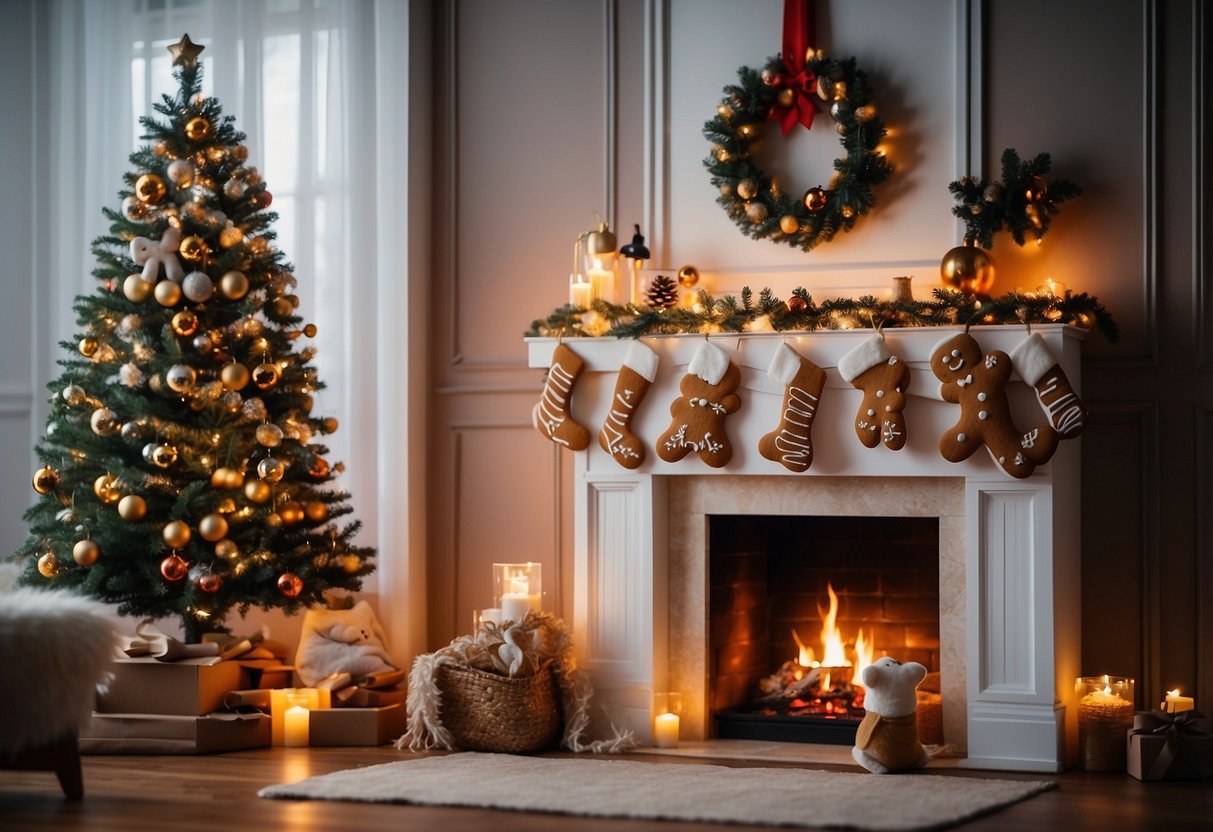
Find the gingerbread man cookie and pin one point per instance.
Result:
(977, 382)
(699, 413)
(884, 380)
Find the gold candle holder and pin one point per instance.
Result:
(1105, 715)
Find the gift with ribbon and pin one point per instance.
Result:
(1166, 746)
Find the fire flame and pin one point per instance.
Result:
(833, 646)
(831, 638)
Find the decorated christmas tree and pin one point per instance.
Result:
(181, 469)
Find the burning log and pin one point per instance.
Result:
(789, 682)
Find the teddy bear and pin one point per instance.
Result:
(887, 739)
(341, 641)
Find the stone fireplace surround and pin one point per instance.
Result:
(1009, 549)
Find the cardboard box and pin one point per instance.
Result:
(355, 697)
(268, 673)
(190, 687)
(162, 734)
(356, 726)
(1193, 762)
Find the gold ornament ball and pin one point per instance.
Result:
(181, 378)
(815, 199)
(174, 568)
(74, 395)
(351, 563)
(89, 347)
(210, 582)
(136, 289)
(239, 152)
(270, 469)
(177, 534)
(235, 478)
(231, 237)
(266, 375)
(291, 513)
(168, 293)
(309, 330)
(86, 552)
(865, 113)
(330, 424)
(319, 468)
(164, 455)
(967, 268)
(185, 323)
(797, 304)
(132, 508)
(149, 189)
(848, 211)
(234, 376)
(787, 97)
(273, 520)
(788, 224)
(106, 489)
(233, 285)
(197, 129)
(282, 308)
(192, 248)
(212, 528)
(45, 480)
(227, 478)
(133, 209)
(290, 584)
(688, 276)
(746, 189)
(257, 491)
(316, 511)
(226, 549)
(48, 565)
(726, 189)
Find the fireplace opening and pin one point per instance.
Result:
(798, 605)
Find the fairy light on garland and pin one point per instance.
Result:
(754, 200)
(799, 313)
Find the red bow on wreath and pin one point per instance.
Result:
(798, 32)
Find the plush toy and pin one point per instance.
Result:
(888, 736)
(341, 641)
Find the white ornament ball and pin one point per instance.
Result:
(104, 422)
(269, 435)
(181, 173)
(180, 377)
(234, 189)
(198, 287)
(131, 375)
(756, 212)
(133, 209)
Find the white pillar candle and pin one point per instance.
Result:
(665, 731)
(580, 294)
(295, 729)
(1176, 704)
(602, 282)
(515, 606)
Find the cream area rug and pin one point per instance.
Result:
(669, 791)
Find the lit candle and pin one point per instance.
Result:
(295, 729)
(1176, 704)
(601, 282)
(1105, 716)
(665, 731)
(580, 292)
(282, 699)
(516, 603)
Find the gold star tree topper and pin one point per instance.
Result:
(185, 52)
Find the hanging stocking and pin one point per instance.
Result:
(1037, 366)
(616, 437)
(977, 382)
(699, 413)
(884, 379)
(790, 443)
(551, 416)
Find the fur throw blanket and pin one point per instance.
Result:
(517, 651)
(55, 649)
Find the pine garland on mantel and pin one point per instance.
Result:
(799, 313)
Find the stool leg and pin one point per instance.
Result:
(66, 760)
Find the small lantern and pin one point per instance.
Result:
(517, 590)
(594, 264)
(635, 253)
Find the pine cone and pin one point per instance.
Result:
(662, 292)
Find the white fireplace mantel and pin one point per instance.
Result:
(1018, 643)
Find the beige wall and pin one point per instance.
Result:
(547, 111)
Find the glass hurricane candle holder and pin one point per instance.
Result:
(1105, 715)
(517, 589)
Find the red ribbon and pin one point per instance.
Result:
(799, 31)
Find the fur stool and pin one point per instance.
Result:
(55, 648)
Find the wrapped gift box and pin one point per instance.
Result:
(189, 687)
(356, 726)
(1190, 756)
(164, 734)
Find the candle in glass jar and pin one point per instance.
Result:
(602, 282)
(1105, 716)
(295, 730)
(580, 293)
(665, 731)
(1176, 704)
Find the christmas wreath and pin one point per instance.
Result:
(790, 91)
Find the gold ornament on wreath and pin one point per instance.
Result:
(755, 203)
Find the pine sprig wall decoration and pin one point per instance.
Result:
(1022, 202)
(799, 313)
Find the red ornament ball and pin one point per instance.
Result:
(290, 584)
(174, 568)
(797, 304)
(263, 199)
(210, 582)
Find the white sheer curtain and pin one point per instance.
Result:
(321, 100)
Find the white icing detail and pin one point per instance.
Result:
(871, 412)
(797, 448)
(964, 382)
(981, 397)
(548, 415)
(960, 362)
(888, 408)
(960, 437)
(880, 394)
(679, 440)
(981, 414)
(890, 431)
(991, 360)
(1018, 458)
(1066, 413)
(1029, 439)
(616, 421)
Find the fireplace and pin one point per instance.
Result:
(799, 605)
(1008, 550)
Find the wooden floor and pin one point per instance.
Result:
(217, 793)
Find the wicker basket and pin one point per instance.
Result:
(487, 712)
